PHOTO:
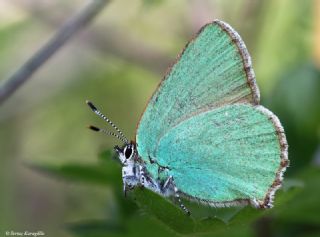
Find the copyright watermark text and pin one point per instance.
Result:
(24, 233)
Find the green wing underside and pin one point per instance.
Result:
(204, 123)
(225, 154)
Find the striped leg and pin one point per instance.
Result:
(169, 182)
(142, 176)
(182, 206)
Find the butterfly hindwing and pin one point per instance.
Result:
(235, 152)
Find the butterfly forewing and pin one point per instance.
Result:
(213, 70)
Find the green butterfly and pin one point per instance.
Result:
(203, 134)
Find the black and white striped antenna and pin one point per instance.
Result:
(96, 129)
(120, 135)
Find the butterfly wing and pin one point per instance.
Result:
(213, 70)
(226, 155)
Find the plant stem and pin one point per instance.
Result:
(67, 30)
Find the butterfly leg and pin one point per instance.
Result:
(142, 176)
(182, 206)
(153, 161)
(125, 190)
(148, 182)
(169, 183)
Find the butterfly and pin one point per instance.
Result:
(203, 134)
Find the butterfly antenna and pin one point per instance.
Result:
(96, 129)
(96, 111)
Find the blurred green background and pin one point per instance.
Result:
(58, 177)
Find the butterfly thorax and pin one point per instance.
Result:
(137, 172)
(131, 174)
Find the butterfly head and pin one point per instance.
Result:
(127, 153)
(130, 168)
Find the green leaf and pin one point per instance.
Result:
(202, 211)
(95, 228)
(107, 172)
(204, 220)
(136, 225)
(304, 206)
(163, 210)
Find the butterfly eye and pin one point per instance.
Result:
(128, 152)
